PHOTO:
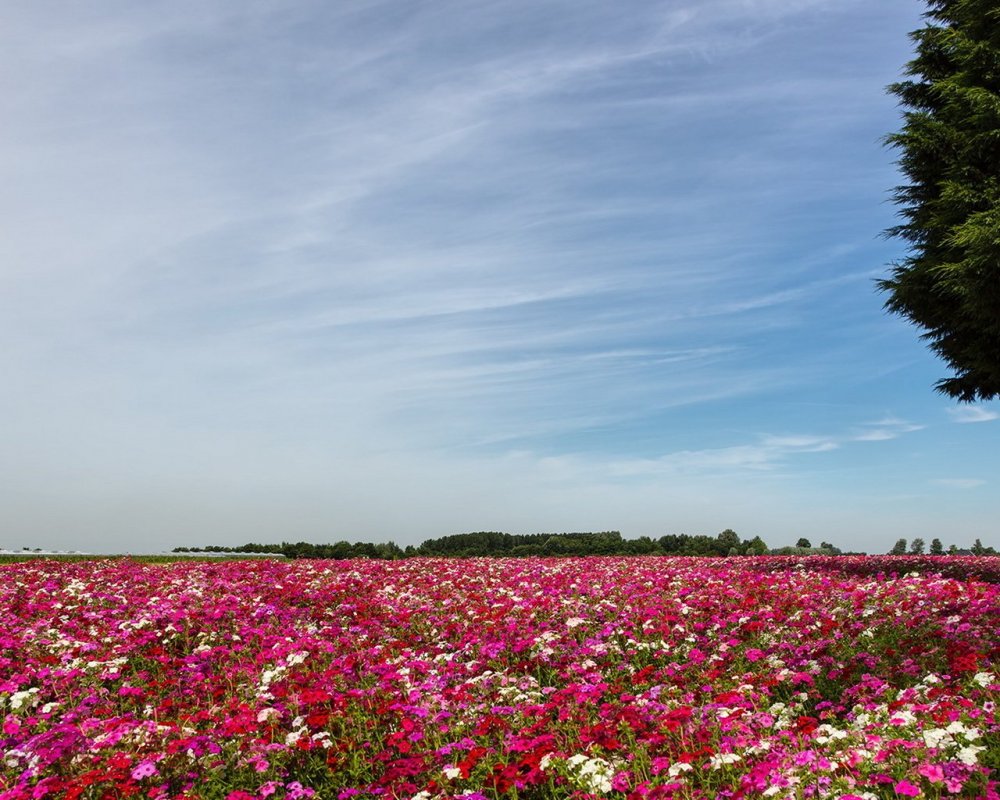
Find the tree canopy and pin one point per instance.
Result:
(949, 281)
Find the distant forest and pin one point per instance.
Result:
(603, 543)
(492, 543)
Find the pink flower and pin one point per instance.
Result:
(932, 772)
(904, 787)
(622, 781)
(146, 769)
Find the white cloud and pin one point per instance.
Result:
(959, 483)
(971, 414)
(885, 429)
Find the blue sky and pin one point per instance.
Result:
(390, 270)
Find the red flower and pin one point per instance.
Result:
(964, 662)
(806, 724)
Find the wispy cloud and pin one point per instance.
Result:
(959, 483)
(970, 414)
(765, 453)
(885, 429)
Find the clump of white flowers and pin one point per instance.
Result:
(591, 774)
(28, 697)
(722, 759)
(956, 736)
(984, 679)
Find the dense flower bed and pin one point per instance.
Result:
(628, 678)
(984, 568)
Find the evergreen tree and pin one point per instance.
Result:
(937, 549)
(949, 281)
(917, 547)
(899, 548)
(803, 542)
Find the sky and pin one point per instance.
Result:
(392, 269)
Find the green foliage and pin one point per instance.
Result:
(937, 549)
(899, 548)
(491, 543)
(755, 547)
(799, 551)
(949, 281)
(494, 543)
(728, 541)
(917, 547)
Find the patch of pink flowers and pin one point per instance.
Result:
(636, 678)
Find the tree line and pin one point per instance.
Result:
(495, 543)
(917, 546)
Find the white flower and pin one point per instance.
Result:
(544, 762)
(27, 697)
(574, 622)
(677, 769)
(902, 718)
(452, 772)
(937, 737)
(970, 754)
(268, 675)
(984, 679)
(718, 761)
(267, 713)
(592, 774)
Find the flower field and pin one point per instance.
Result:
(536, 678)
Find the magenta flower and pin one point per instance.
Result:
(907, 789)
